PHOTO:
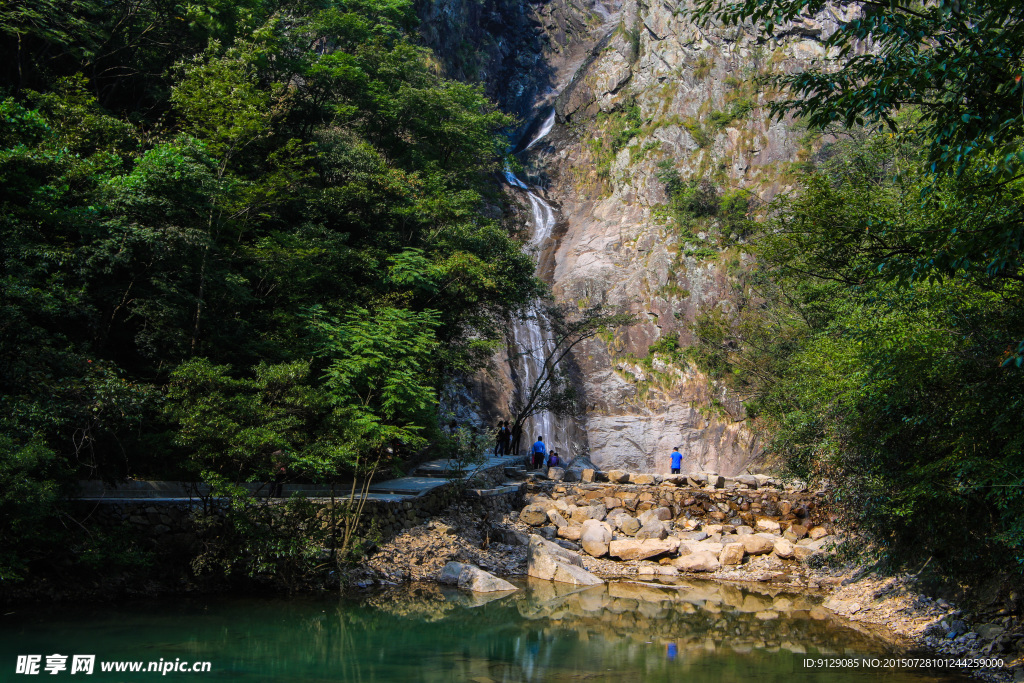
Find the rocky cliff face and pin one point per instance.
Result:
(651, 93)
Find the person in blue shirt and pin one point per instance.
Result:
(540, 452)
(677, 460)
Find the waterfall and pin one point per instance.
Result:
(531, 337)
(545, 128)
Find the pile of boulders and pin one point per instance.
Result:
(694, 479)
(690, 537)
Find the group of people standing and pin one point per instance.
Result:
(507, 438)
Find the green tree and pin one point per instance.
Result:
(895, 392)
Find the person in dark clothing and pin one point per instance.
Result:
(500, 440)
(516, 437)
(540, 452)
(553, 459)
(280, 472)
(506, 439)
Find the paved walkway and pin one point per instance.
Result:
(425, 478)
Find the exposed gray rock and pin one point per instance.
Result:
(617, 476)
(471, 578)
(450, 573)
(557, 519)
(784, 548)
(477, 580)
(550, 562)
(748, 480)
(595, 537)
(756, 545)
(574, 575)
(732, 553)
(543, 558)
(629, 549)
(698, 562)
(655, 529)
(534, 515)
(629, 526)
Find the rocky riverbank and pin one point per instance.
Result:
(668, 531)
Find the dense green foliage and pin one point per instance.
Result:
(895, 392)
(879, 342)
(237, 234)
(698, 205)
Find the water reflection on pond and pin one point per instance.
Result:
(694, 631)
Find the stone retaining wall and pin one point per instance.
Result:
(734, 505)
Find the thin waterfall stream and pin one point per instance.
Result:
(532, 335)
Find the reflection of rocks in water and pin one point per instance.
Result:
(427, 601)
(698, 617)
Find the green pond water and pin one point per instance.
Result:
(691, 631)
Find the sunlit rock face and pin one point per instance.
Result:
(688, 100)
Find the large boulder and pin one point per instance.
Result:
(471, 578)
(732, 554)
(450, 573)
(662, 513)
(748, 480)
(557, 519)
(612, 503)
(756, 545)
(617, 476)
(542, 558)
(697, 479)
(576, 576)
(784, 548)
(707, 546)
(697, 562)
(814, 533)
(534, 514)
(477, 580)
(655, 529)
(629, 549)
(629, 525)
(769, 525)
(804, 552)
(616, 516)
(595, 537)
(593, 511)
(556, 473)
(643, 479)
(587, 476)
(571, 532)
(656, 570)
(550, 562)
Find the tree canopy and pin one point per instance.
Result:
(236, 234)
